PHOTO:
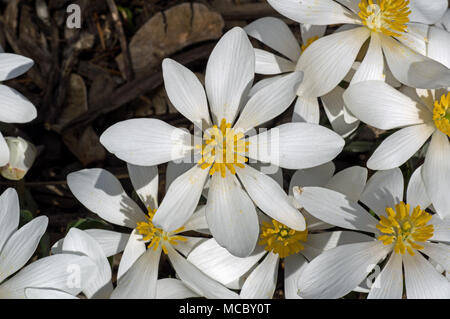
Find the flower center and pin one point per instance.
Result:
(281, 239)
(441, 114)
(308, 43)
(386, 16)
(405, 230)
(223, 149)
(156, 236)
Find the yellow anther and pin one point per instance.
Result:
(441, 114)
(404, 229)
(309, 42)
(223, 149)
(389, 17)
(281, 239)
(156, 236)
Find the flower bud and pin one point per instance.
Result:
(21, 157)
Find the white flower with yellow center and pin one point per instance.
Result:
(398, 30)
(17, 246)
(419, 115)
(14, 108)
(403, 234)
(225, 148)
(281, 243)
(277, 35)
(101, 192)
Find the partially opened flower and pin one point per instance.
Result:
(66, 272)
(419, 115)
(225, 149)
(276, 34)
(279, 242)
(15, 108)
(21, 157)
(405, 234)
(393, 26)
(101, 192)
(100, 287)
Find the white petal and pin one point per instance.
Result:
(43, 293)
(176, 169)
(9, 215)
(263, 83)
(275, 34)
(4, 152)
(422, 279)
(216, 262)
(350, 182)
(331, 239)
(269, 102)
(232, 216)
(21, 246)
(269, 63)
(229, 74)
(399, 147)
(296, 145)
(439, 46)
(438, 252)
(262, 281)
(309, 31)
(306, 110)
(372, 66)
(427, 12)
(100, 192)
(416, 37)
(335, 110)
(441, 229)
(436, 172)
(196, 280)
(273, 171)
(351, 4)
(197, 221)
(270, 198)
(133, 250)
(379, 105)
(384, 189)
(181, 199)
(66, 272)
(326, 61)
(444, 23)
(338, 271)
(139, 282)
(15, 108)
(169, 288)
(414, 69)
(320, 12)
(145, 182)
(13, 65)
(186, 93)
(185, 247)
(335, 208)
(293, 268)
(146, 142)
(316, 176)
(389, 283)
(79, 242)
(416, 194)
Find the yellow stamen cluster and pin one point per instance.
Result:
(156, 236)
(405, 229)
(386, 16)
(309, 42)
(281, 239)
(441, 114)
(223, 149)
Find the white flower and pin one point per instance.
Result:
(230, 210)
(101, 192)
(63, 272)
(15, 108)
(278, 241)
(418, 114)
(394, 27)
(404, 231)
(98, 245)
(276, 34)
(21, 157)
